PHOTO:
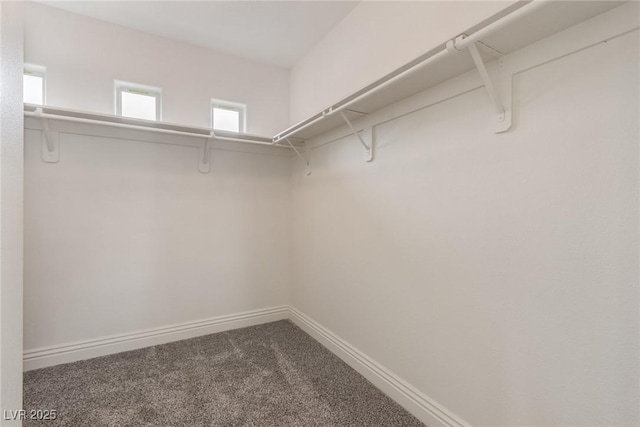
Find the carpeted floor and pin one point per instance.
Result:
(266, 375)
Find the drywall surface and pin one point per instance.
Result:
(124, 235)
(497, 274)
(83, 56)
(374, 39)
(11, 193)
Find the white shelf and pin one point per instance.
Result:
(56, 113)
(544, 18)
(515, 27)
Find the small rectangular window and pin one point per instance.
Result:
(138, 101)
(229, 116)
(33, 84)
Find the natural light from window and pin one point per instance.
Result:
(138, 106)
(33, 87)
(226, 119)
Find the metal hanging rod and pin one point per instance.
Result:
(135, 124)
(454, 45)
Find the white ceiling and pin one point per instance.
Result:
(273, 32)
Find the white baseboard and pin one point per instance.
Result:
(422, 407)
(415, 402)
(71, 352)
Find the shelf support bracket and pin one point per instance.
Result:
(50, 140)
(204, 161)
(503, 115)
(367, 135)
(305, 159)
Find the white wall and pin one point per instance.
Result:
(11, 193)
(497, 274)
(83, 56)
(374, 39)
(123, 235)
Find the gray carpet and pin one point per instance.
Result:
(266, 375)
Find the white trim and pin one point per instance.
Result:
(407, 396)
(71, 352)
(415, 402)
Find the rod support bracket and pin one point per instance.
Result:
(367, 135)
(452, 45)
(305, 158)
(503, 116)
(366, 138)
(204, 158)
(50, 140)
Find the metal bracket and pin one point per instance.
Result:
(204, 163)
(452, 44)
(50, 140)
(490, 50)
(503, 115)
(367, 134)
(305, 159)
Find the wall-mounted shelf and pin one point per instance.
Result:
(64, 114)
(50, 138)
(517, 26)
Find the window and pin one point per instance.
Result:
(137, 101)
(228, 116)
(33, 84)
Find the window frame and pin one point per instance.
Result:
(233, 106)
(36, 71)
(138, 89)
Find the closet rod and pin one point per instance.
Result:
(211, 133)
(458, 43)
